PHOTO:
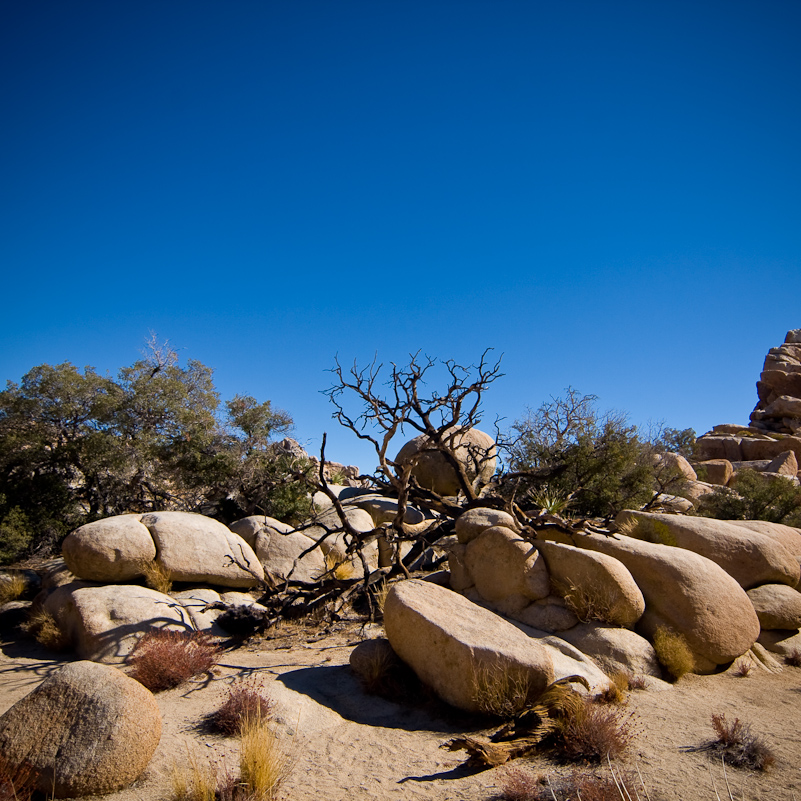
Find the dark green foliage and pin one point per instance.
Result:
(756, 497)
(76, 446)
(598, 460)
(674, 440)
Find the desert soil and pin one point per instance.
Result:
(346, 744)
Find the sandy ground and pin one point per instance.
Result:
(348, 745)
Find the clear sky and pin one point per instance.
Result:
(609, 194)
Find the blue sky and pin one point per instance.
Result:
(608, 194)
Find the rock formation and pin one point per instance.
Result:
(779, 388)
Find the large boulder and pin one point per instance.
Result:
(786, 642)
(616, 650)
(474, 449)
(109, 550)
(104, 623)
(597, 586)
(195, 548)
(687, 593)
(450, 643)
(777, 606)
(85, 730)
(717, 471)
(280, 554)
(506, 569)
(676, 464)
(327, 529)
(473, 522)
(750, 557)
(788, 536)
(250, 527)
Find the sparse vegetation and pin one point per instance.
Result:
(737, 745)
(157, 577)
(501, 690)
(793, 659)
(673, 652)
(245, 700)
(263, 763)
(593, 732)
(46, 631)
(194, 780)
(615, 693)
(12, 587)
(589, 602)
(518, 784)
(163, 658)
(743, 668)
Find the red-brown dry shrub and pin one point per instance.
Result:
(594, 732)
(245, 700)
(163, 659)
(793, 659)
(521, 785)
(738, 745)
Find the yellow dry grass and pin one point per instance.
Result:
(263, 763)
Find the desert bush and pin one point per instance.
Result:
(163, 659)
(737, 745)
(263, 763)
(793, 659)
(501, 690)
(46, 631)
(157, 577)
(756, 497)
(637, 682)
(673, 652)
(245, 700)
(593, 732)
(12, 587)
(16, 781)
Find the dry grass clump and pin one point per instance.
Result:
(44, 628)
(157, 577)
(737, 745)
(12, 587)
(245, 700)
(521, 785)
(339, 567)
(615, 693)
(263, 764)
(673, 652)
(163, 658)
(793, 659)
(16, 782)
(501, 690)
(589, 602)
(195, 780)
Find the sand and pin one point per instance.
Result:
(347, 745)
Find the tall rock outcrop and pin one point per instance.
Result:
(779, 388)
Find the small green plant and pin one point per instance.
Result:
(245, 700)
(552, 501)
(501, 690)
(163, 658)
(12, 587)
(737, 745)
(673, 652)
(46, 631)
(157, 577)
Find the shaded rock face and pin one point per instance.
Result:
(779, 388)
(474, 449)
(87, 729)
(451, 643)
